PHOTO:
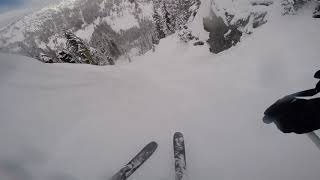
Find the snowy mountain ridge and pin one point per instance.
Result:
(37, 20)
(120, 25)
(33, 21)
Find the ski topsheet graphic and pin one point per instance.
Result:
(136, 162)
(179, 156)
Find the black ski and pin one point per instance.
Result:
(180, 164)
(136, 162)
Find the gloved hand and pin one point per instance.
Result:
(291, 114)
(316, 13)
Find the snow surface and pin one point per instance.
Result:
(123, 22)
(87, 32)
(125, 19)
(79, 122)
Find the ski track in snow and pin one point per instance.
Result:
(86, 122)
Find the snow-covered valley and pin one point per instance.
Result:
(79, 122)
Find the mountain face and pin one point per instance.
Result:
(98, 32)
(229, 20)
(95, 31)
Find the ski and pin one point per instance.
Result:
(136, 162)
(180, 164)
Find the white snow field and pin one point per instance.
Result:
(80, 122)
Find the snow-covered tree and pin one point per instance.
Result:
(159, 29)
(168, 19)
(78, 49)
(45, 58)
(185, 9)
(64, 56)
(100, 58)
(171, 15)
(185, 34)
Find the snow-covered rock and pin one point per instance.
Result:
(226, 21)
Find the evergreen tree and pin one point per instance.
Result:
(159, 29)
(185, 11)
(100, 58)
(79, 52)
(167, 18)
(78, 49)
(173, 14)
(45, 58)
(64, 56)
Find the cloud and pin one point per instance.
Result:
(10, 5)
(6, 5)
(11, 10)
(11, 2)
(41, 2)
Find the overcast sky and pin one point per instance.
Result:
(10, 10)
(11, 5)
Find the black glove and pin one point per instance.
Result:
(317, 75)
(316, 13)
(292, 114)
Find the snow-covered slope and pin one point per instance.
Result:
(82, 122)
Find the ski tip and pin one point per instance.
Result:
(153, 144)
(178, 134)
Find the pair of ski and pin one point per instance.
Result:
(146, 153)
